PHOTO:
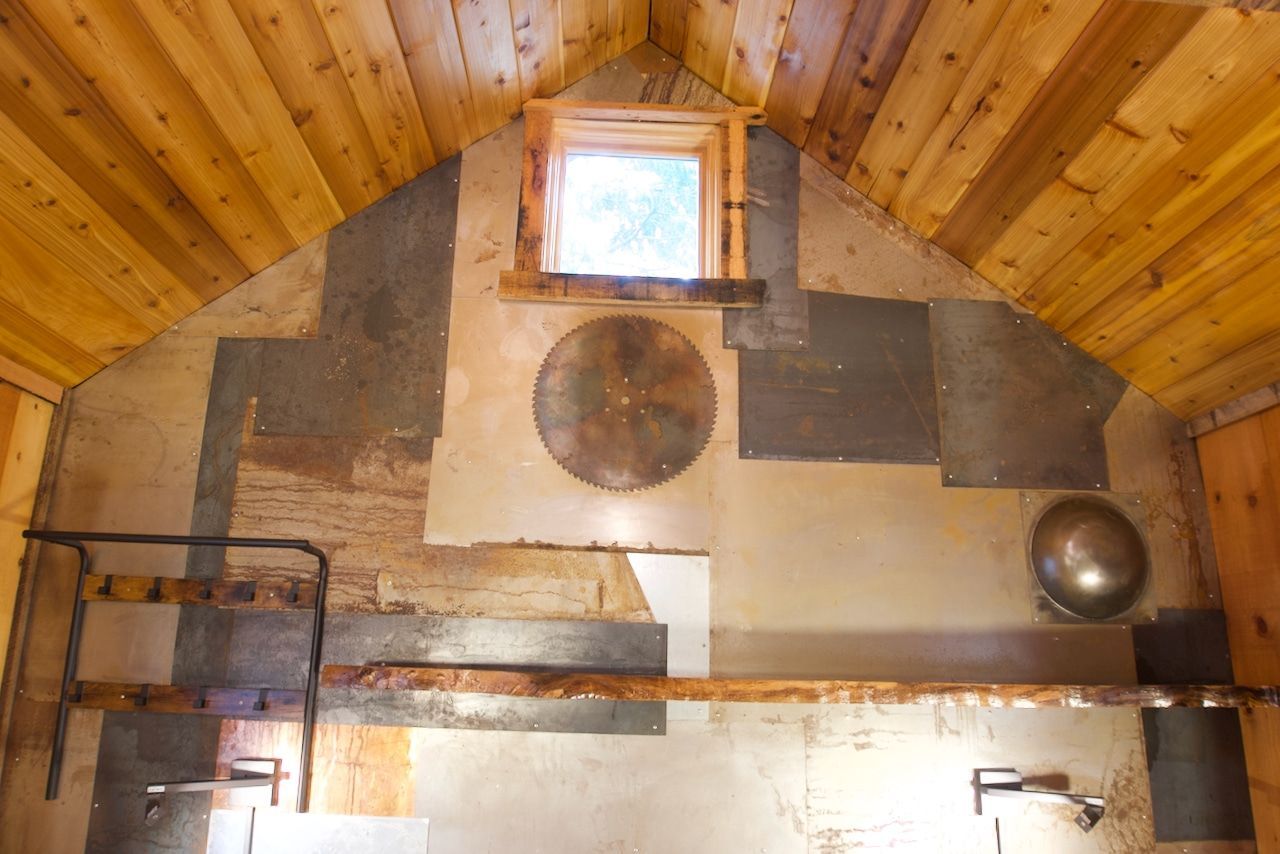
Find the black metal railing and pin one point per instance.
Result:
(77, 539)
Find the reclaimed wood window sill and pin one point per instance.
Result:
(633, 290)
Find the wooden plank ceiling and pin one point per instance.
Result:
(1112, 164)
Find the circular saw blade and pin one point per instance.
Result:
(624, 402)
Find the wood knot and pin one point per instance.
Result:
(1260, 626)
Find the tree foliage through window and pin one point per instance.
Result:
(630, 216)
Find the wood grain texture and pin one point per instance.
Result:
(29, 381)
(539, 47)
(667, 25)
(263, 595)
(634, 290)
(936, 62)
(433, 53)
(488, 49)
(753, 51)
(1122, 43)
(809, 47)
(1241, 467)
(573, 686)
(873, 48)
(24, 432)
(185, 700)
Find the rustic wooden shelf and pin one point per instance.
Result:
(268, 595)
(276, 704)
(635, 290)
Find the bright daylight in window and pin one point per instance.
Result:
(630, 216)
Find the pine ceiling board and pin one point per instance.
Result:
(33, 345)
(488, 47)
(628, 26)
(708, 31)
(1026, 46)
(1233, 317)
(1211, 171)
(753, 52)
(1122, 43)
(814, 34)
(873, 48)
(937, 60)
(1235, 240)
(539, 47)
(109, 44)
(433, 54)
(206, 44)
(290, 42)
(38, 284)
(363, 38)
(72, 125)
(1247, 369)
(1218, 62)
(667, 25)
(51, 209)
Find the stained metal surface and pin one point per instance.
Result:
(773, 229)
(1019, 406)
(1089, 558)
(268, 831)
(559, 645)
(1186, 646)
(624, 402)
(863, 392)
(1199, 782)
(377, 365)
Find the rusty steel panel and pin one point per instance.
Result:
(1019, 406)
(863, 392)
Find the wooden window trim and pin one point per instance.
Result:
(717, 137)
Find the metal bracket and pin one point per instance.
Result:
(144, 694)
(292, 595)
(245, 774)
(104, 589)
(202, 699)
(78, 694)
(250, 591)
(261, 705)
(1007, 783)
(206, 592)
(153, 592)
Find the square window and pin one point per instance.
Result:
(630, 215)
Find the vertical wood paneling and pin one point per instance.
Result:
(628, 26)
(667, 25)
(364, 40)
(936, 62)
(488, 47)
(539, 47)
(205, 42)
(54, 211)
(1120, 45)
(708, 31)
(753, 52)
(873, 49)
(814, 34)
(110, 45)
(1030, 40)
(70, 124)
(288, 37)
(1241, 468)
(433, 54)
(1183, 98)
(584, 30)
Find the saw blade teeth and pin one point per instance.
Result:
(705, 432)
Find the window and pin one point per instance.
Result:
(633, 202)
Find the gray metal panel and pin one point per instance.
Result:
(535, 644)
(1199, 786)
(1184, 646)
(378, 364)
(277, 831)
(773, 229)
(1018, 408)
(864, 392)
(140, 748)
(556, 645)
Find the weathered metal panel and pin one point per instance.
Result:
(863, 392)
(773, 229)
(377, 366)
(1019, 406)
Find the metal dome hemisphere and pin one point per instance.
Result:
(1089, 558)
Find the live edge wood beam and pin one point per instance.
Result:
(594, 686)
(636, 290)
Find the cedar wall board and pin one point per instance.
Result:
(1241, 465)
